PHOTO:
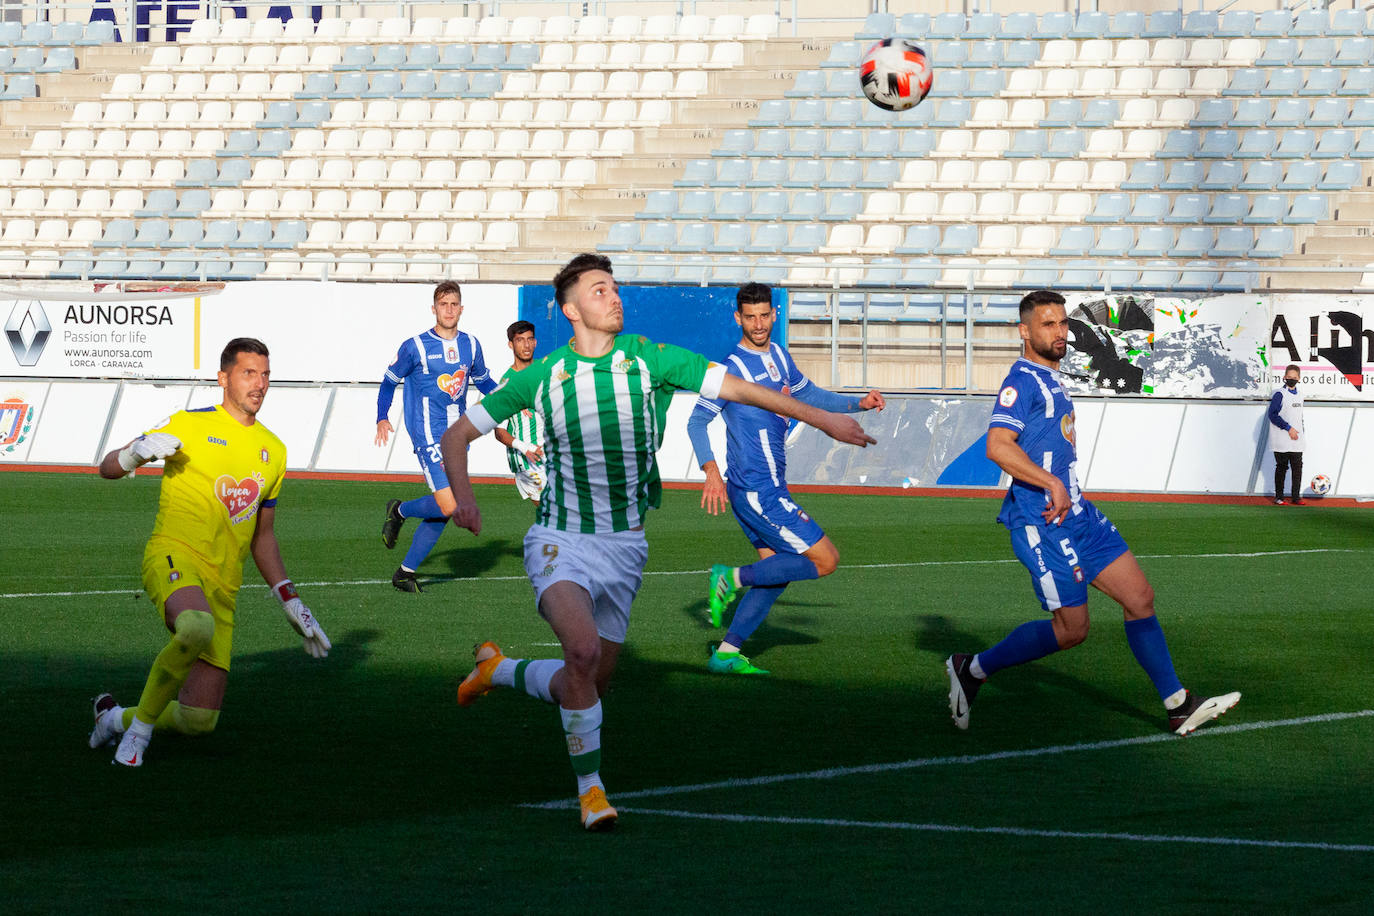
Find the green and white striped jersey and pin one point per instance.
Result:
(525, 425)
(603, 422)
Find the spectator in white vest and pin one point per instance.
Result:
(1285, 435)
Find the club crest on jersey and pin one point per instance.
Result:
(173, 576)
(451, 354)
(1078, 574)
(265, 456)
(772, 368)
(452, 383)
(624, 366)
(1066, 427)
(1007, 397)
(562, 375)
(239, 497)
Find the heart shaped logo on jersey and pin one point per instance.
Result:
(452, 383)
(237, 495)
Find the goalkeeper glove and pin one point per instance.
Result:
(147, 448)
(301, 620)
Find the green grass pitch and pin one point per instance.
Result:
(837, 785)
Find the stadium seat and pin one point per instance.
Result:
(1308, 209)
(1263, 175)
(1188, 208)
(1266, 209)
(1227, 209)
(1221, 176)
(1110, 208)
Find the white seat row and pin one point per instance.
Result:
(117, 143)
(286, 265)
(1021, 175)
(196, 86)
(374, 204)
(204, 58)
(91, 202)
(486, 29)
(1206, 82)
(1138, 52)
(52, 232)
(359, 115)
(159, 115)
(654, 55)
(966, 206)
(1135, 112)
(49, 172)
(477, 142)
(431, 173)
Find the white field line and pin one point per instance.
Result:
(440, 580)
(966, 759)
(1003, 831)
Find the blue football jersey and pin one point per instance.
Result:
(1033, 404)
(755, 455)
(436, 374)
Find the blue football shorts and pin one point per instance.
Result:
(432, 466)
(771, 519)
(1064, 559)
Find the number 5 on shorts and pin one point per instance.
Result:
(1069, 552)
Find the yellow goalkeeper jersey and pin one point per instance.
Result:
(213, 487)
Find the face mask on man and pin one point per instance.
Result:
(1291, 382)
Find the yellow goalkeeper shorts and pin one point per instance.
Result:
(169, 567)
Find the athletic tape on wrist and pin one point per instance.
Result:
(285, 590)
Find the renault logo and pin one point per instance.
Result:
(27, 331)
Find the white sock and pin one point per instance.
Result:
(538, 674)
(504, 675)
(118, 719)
(726, 648)
(975, 668)
(586, 783)
(1175, 700)
(140, 728)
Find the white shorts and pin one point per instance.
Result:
(530, 482)
(609, 566)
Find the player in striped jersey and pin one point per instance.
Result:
(603, 399)
(523, 435)
(1061, 538)
(791, 546)
(436, 367)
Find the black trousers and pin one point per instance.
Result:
(1283, 461)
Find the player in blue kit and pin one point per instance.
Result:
(791, 546)
(436, 367)
(1061, 537)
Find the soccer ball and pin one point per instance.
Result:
(895, 74)
(1321, 485)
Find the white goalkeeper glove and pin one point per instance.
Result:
(147, 448)
(301, 620)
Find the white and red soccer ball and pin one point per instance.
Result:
(896, 74)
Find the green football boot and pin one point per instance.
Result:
(721, 593)
(731, 663)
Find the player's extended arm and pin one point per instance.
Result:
(713, 497)
(385, 393)
(1005, 452)
(454, 447)
(267, 556)
(121, 461)
(841, 427)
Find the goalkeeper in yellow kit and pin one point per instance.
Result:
(220, 483)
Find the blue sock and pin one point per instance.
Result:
(779, 569)
(1026, 643)
(424, 507)
(751, 611)
(426, 536)
(1146, 639)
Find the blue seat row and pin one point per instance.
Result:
(1299, 81)
(392, 84)
(825, 174)
(37, 60)
(1161, 241)
(1233, 175)
(843, 82)
(1284, 112)
(254, 234)
(1126, 24)
(520, 56)
(212, 267)
(1316, 52)
(48, 34)
(1298, 143)
(1216, 209)
(18, 86)
(749, 205)
(311, 113)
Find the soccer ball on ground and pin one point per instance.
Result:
(895, 74)
(1321, 485)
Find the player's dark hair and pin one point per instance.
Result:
(518, 327)
(1038, 297)
(448, 286)
(752, 294)
(230, 354)
(1293, 367)
(567, 278)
